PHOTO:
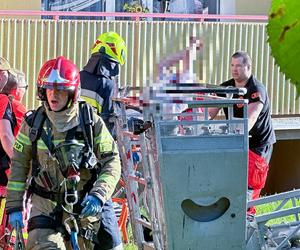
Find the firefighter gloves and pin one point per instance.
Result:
(16, 218)
(92, 206)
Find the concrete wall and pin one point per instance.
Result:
(284, 173)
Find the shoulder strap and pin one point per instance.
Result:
(35, 120)
(86, 123)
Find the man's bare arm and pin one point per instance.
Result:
(254, 110)
(213, 112)
(6, 137)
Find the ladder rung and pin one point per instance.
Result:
(131, 135)
(144, 223)
(139, 180)
(148, 246)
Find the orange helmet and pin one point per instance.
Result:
(59, 73)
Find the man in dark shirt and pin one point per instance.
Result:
(261, 132)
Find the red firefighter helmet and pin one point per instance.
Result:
(59, 73)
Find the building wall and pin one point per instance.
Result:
(227, 7)
(239, 7)
(245, 7)
(253, 7)
(20, 5)
(149, 44)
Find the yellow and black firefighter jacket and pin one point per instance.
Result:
(98, 83)
(50, 176)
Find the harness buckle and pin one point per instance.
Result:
(88, 234)
(71, 225)
(33, 133)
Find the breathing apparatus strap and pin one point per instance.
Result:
(36, 120)
(86, 123)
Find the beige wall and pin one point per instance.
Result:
(252, 7)
(20, 5)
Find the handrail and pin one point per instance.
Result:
(135, 16)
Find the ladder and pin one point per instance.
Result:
(150, 143)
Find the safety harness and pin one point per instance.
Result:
(35, 120)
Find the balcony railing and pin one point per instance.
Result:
(134, 16)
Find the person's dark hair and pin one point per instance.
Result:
(11, 84)
(246, 58)
(16, 78)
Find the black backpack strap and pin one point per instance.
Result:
(35, 120)
(71, 134)
(87, 123)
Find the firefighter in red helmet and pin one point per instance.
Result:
(73, 161)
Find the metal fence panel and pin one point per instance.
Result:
(28, 43)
